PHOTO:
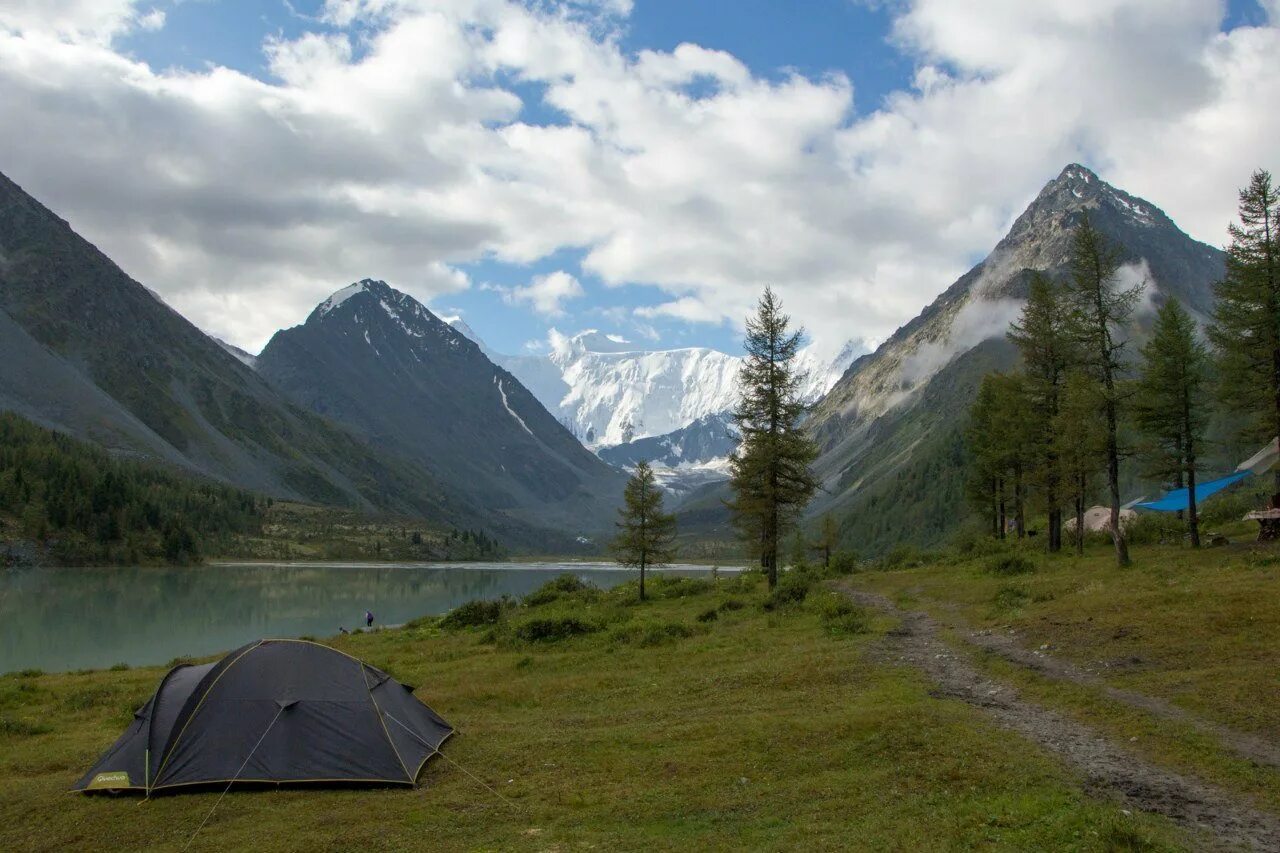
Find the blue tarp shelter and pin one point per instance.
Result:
(1178, 499)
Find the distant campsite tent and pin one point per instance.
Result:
(276, 712)
(1097, 518)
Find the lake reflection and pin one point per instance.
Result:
(71, 618)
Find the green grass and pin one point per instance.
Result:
(1199, 630)
(754, 730)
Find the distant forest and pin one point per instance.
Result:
(84, 506)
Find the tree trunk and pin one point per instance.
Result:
(1113, 479)
(642, 561)
(995, 510)
(1181, 454)
(1080, 520)
(1193, 518)
(1019, 500)
(1000, 513)
(1275, 369)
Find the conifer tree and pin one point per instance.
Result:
(646, 534)
(828, 536)
(770, 469)
(1169, 407)
(1001, 441)
(1079, 444)
(1246, 327)
(1043, 336)
(1100, 312)
(986, 476)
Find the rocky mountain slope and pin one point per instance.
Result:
(890, 430)
(88, 350)
(377, 361)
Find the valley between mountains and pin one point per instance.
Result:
(374, 402)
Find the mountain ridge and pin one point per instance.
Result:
(890, 430)
(148, 382)
(381, 363)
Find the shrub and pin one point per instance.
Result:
(732, 604)
(1156, 528)
(649, 634)
(555, 589)
(902, 556)
(972, 542)
(792, 589)
(553, 628)
(119, 667)
(663, 586)
(843, 563)
(21, 728)
(30, 673)
(1010, 564)
(841, 617)
(473, 614)
(743, 581)
(1011, 597)
(709, 615)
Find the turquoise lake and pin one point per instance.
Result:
(59, 619)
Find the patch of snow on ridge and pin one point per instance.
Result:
(340, 297)
(502, 392)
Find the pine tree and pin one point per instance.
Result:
(1169, 407)
(1246, 326)
(770, 469)
(646, 534)
(1099, 312)
(828, 536)
(1079, 444)
(985, 484)
(1001, 441)
(1043, 336)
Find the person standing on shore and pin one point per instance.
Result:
(368, 618)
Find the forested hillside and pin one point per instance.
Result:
(81, 505)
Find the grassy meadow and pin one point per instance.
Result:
(718, 717)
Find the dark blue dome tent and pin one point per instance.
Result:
(282, 712)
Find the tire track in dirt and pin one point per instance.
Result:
(1106, 767)
(1247, 746)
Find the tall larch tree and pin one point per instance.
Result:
(986, 474)
(1100, 313)
(646, 534)
(1043, 336)
(1001, 442)
(1079, 444)
(1170, 403)
(1246, 323)
(771, 479)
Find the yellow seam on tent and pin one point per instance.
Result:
(378, 711)
(314, 643)
(276, 782)
(432, 755)
(196, 710)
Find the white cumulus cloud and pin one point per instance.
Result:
(395, 141)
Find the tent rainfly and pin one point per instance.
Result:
(276, 712)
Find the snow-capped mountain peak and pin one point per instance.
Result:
(608, 390)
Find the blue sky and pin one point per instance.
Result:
(857, 154)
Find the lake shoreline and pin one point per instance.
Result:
(63, 619)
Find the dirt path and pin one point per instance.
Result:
(1106, 767)
(1006, 646)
